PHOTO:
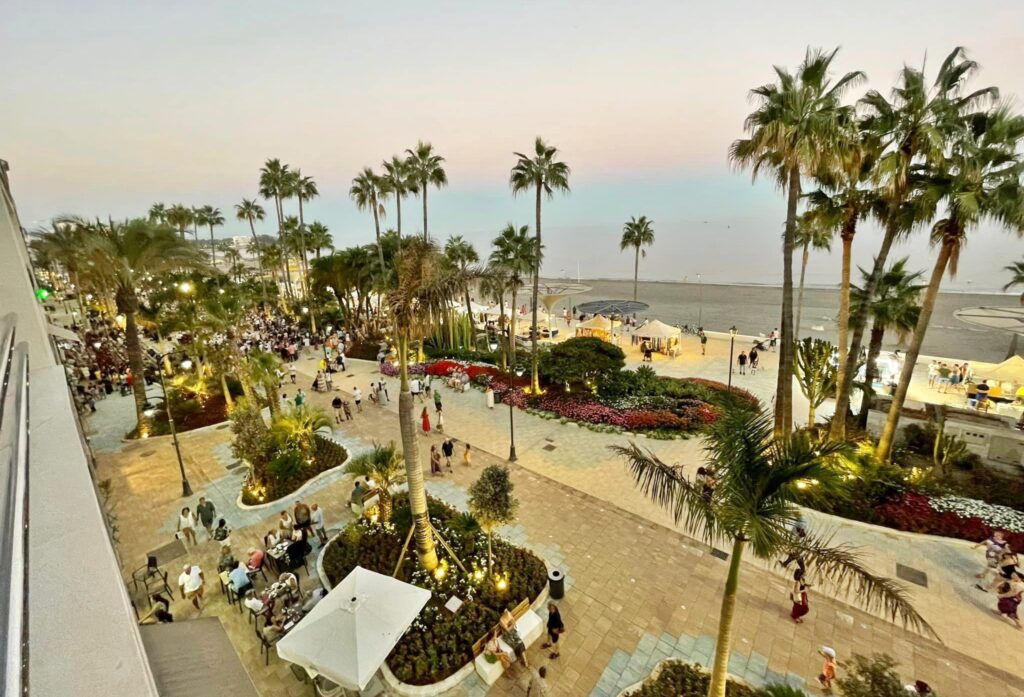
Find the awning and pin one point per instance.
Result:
(349, 633)
(63, 334)
(195, 659)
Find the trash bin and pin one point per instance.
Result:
(556, 584)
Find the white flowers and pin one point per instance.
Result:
(995, 516)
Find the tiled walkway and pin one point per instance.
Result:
(639, 590)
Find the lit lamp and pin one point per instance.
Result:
(732, 344)
(493, 345)
(96, 345)
(518, 370)
(185, 287)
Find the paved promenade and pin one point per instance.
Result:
(639, 590)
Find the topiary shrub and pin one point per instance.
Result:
(581, 360)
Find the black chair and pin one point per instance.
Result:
(295, 558)
(144, 572)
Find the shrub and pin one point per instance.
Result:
(285, 469)
(580, 360)
(872, 677)
(680, 679)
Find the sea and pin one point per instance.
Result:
(756, 309)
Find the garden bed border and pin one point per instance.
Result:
(656, 672)
(308, 483)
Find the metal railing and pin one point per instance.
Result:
(14, 442)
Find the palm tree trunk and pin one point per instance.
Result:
(501, 329)
(227, 392)
(844, 297)
(870, 373)
(784, 385)
(128, 304)
(858, 322)
(469, 308)
(910, 358)
(376, 229)
(723, 645)
(425, 236)
(534, 359)
(398, 213)
(636, 270)
(800, 293)
(413, 469)
(512, 330)
(273, 400)
(213, 249)
(304, 269)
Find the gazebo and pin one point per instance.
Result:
(550, 292)
(663, 336)
(598, 326)
(612, 308)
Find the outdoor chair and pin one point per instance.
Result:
(267, 610)
(143, 572)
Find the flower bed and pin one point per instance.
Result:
(951, 516)
(680, 679)
(327, 455)
(439, 643)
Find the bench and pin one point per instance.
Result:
(530, 627)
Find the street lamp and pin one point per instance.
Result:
(732, 343)
(186, 488)
(519, 370)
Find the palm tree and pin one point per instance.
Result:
(545, 174)
(810, 234)
(265, 370)
(979, 179)
(368, 191)
(401, 183)
(234, 258)
(896, 306)
(426, 168)
(384, 465)
(1016, 270)
(179, 217)
(251, 211)
(516, 253)
(119, 256)
(304, 189)
(792, 134)
(753, 506)
(299, 426)
(158, 213)
(637, 233)
(318, 237)
(462, 255)
(210, 216)
(421, 292)
(915, 127)
(274, 182)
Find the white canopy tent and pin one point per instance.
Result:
(349, 633)
(656, 329)
(1010, 370)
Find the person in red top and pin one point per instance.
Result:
(255, 559)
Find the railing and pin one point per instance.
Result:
(14, 439)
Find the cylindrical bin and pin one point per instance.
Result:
(556, 584)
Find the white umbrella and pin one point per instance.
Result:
(349, 633)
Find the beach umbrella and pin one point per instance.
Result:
(350, 632)
(612, 307)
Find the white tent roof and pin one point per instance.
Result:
(598, 322)
(1010, 370)
(495, 311)
(477, 307)
(656, 329)
(349, 633)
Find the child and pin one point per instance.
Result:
(828, 668)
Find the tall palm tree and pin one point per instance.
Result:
(544, 174)
(385, 466)
(265, 370)
(516, 253)
(304, 189)
(211, 217)
(979, 179)
(915, 126)
(810, 234)
(422, 290)
(462, 255)
(273, 185)
(792, 134)
(318, 238)
(158, 213)
(251, 211)
(179, 217)
(1016, 270)
(896, 306)
(753, 507)
(400, 182)
(426, 168)
(637, 233)
(368, 191)
(119, 256)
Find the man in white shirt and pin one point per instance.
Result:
(190, 583)
(316, 519)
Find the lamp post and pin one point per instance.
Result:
(700, 303)
(186, 488)
(518, 370)
(732, 344)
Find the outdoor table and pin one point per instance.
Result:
(276, 555)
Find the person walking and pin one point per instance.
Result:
(302, 516)
(347, 410)
(292, 373)
(994, 546)
(223, 534)
(448, 449)
(357, 397)
(703, 343)
(336, 405)
(207, 513)
(538, 683)
(300, 398)
(437, 402)
(316, 518)
(435, 460)
(753, 358)
(742, 360)
(187, 525)
(798, 595)
(1009, 593)
(190, 585)
(425, 421)
(467, 456)
(556, 628)
(773, 339)
(828, 668)
(489, 394)
(439, 424)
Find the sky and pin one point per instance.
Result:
(111, 106)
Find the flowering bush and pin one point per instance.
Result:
(735, 393)
(997, 516)
(923, 514)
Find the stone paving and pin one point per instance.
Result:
(639, 591)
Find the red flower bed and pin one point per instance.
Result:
(742, 394)
(912, 513)
(446, 368)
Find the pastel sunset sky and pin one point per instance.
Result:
(110, 106)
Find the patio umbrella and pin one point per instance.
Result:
(1010, 370)
(612, 307)
(349, 633)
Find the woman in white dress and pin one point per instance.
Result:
(489, 393)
